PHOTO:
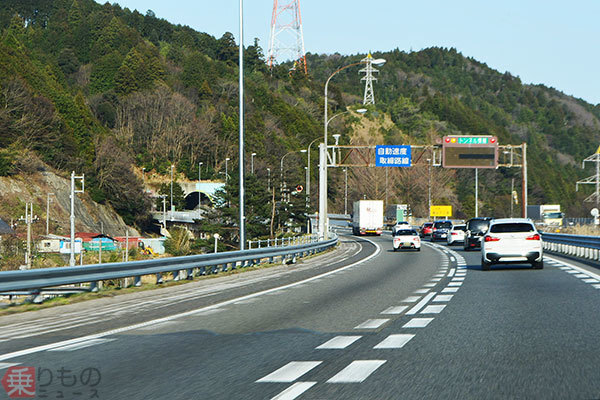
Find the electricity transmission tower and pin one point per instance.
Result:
(368, 70)
(286, 41)
(592, 180)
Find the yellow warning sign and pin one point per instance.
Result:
(440, 211)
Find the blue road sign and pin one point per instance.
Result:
(393, 156)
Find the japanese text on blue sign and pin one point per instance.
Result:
(393, 156)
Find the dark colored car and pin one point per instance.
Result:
(425, 229)
(440, 230)
(476, 228)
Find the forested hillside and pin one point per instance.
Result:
(108, 91)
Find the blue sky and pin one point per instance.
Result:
(550, 42)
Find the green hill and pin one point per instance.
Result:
(107, 91)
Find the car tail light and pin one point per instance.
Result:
(533, 237)
(491, 239)
(415, 239)
(454, 233)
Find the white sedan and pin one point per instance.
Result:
(512, 240)
(456, 234)
(406, 239)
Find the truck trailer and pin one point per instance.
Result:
(367, 218)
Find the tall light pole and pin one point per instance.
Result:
(476, 192)
(269, 179)
(242, 216)
(281, 168)
(200, 171)
(226, 170)
(346, 192)
(73, 191)
(323, 155)
(252, 163)
(172, 205)
(429, 190)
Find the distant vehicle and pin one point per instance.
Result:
(400, 225)
(367, 218)
(426, 229)
(512, 240)
(546, 214)
(395, 213)
(456, 234)
(440, 230)
(476, 228)
(406, 239)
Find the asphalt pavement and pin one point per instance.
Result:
(396, 325)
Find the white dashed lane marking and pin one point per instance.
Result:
(411, 299)
(451, 273)
(450, 290)
(421, 291)
(396, 341)
(455, 284)
(372, 323)
(596, 286)
(433, 309)
(357, 371)
(339, 342)
(294, 391)
(290, 372)
(395, 310)
(458, 279)
(581, 276)
(591, 280)
(443, 297)
(420, 304)
(430, 285)
(418, 323)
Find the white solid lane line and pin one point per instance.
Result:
(420, 304)
(395, 310)
(7, 365)
(396, 341)
(372, 323)
(339, 342)
(294, 391)
(433, 309)
(418, 323)
(290, 372)
(357, 371)
(32, 350)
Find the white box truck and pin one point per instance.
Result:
(546, 214)
(367, 218)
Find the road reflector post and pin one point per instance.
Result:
(159, 278)
(137, 281)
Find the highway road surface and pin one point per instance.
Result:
(362, 322)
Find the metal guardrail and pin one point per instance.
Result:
(573, 245)
(284, 241)
(185, 267)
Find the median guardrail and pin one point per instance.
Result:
(186, 267)
(573, 245)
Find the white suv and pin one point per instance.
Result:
(512, 240)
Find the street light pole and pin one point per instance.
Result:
(242, 216)
(172, 205)
(429, 189)
(269, 179)
(323, 228)
(200, 171)
(346, 192)
(252, 163)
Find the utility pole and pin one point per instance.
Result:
(48, 213)
(476, 192)
(73, 191)
(346, 192)
(29, 219)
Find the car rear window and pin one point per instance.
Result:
(478, 226)
(427, 225)
(460, 228)
(512, 227)
(443, 225)
(405, 232)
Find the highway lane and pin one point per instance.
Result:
(402, 325)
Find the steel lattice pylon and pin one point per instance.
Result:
(368, 70)
(286, 41)
(592, 180)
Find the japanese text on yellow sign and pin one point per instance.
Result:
(440, 211)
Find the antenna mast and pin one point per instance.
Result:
(286, 41)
